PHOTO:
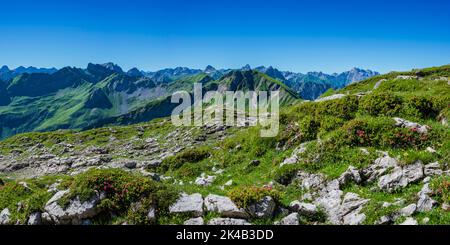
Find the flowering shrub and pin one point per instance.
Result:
(356, 133)
(404, 137)
(245, 196)
(441, 187)
(121, 189)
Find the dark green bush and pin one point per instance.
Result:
(121, 189)
(309, 128)
(381, 104)
(286, 173)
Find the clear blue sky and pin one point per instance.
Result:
(322, 35)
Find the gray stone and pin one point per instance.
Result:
(35, 219)
(75, 211)
(5, 217)
(408, 210)
(263, 208)
(195, 221)
(425, 202)
(295, 157)
(351, 174)
(188, 204)
(401, 177)
(151, 214)
(310, 181)
(302, 208)
(204, 180)
(130, 164)
(399, 122)
(224, 206)
(378, 168)
(433, 169)
(410, 221)
(228, 221)
(291, 219)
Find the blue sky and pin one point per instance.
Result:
(321, 35)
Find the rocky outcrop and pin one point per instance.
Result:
(75, 211)
(401, 177)
(35, 219)
(5, 217)
(223, 206)
(263, 208)
(425, 202)
(195, 221)
(291, 219)
(190, 204)
(399, 122)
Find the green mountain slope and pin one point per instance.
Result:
(380, 153)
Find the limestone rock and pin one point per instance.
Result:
(351, 174)
(291, 219)
(263, 208)
(35, 219)
(5, 217)
(188, 204)
(195, 221)
(410, 221)
(302, 208)
(224, 206)
(75, 211)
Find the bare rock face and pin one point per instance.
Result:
(192, 204)
(351, 175)
(425, 202)
(401, 177)
(224, 206)
(378, 168)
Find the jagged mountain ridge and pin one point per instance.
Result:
(75, 98)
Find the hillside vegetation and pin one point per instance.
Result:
(374, 152)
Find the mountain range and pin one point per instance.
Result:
(33, 99)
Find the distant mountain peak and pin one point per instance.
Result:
(246, 67)
(113, 67)
(4, 69)
(210, 69)
(134, 72)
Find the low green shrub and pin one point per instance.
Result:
(286, 173)
(191, 155)
(246, 195)
(381, 104)
(121, 189)
(441, 188)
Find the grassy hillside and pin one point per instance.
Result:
(343, 141)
